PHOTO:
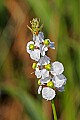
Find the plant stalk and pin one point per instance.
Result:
(54, 110)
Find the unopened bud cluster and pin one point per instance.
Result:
(49, 74)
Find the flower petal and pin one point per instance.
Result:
(48, 93)
(44, 73)
(39, 89)
(27, 46)
(38, 73)
(59, 81)
(44, 60)
(43, 49)
(57, 68)
(41, 36)
(35, 55)
(61, 89)
(51, 45)
(38, 38)
(45, 80)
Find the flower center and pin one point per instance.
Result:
(48, 67)
(39, 83)
(34, 65)
(50, 84)
(31, 46)
(46, 42)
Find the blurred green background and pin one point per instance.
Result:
(18, 88)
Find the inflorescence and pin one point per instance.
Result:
(49, 74)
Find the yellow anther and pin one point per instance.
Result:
(39, 83)
(31, 46)
(46, 42)
(34, 65)
(48, 67)
(50, 84)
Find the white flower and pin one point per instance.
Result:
(28, 46)
(57, 68)
(35, 55)
(44, 73)
(49, 74)
(38, 73)
(48, 93)
(48, 43)
(44, 61)
(38, 38)
(41, 73)
(43, 49)
(45, 80)
(39, 89)
(59, 80)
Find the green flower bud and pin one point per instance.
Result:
(39, 83)
(31, 46)
(46, 42)
(50, 84)
(48, 67)
(34, 65)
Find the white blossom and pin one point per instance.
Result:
(59, 80)
(48, 43)
(38, 73)
(44, 73)
(43, 49)
(48, 93)
(57, 68)
(27, 47)
(44, 60)
(45, 80)
(41, 73)
(38, 38)
(35, 55)
(49, 74)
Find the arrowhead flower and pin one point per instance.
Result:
(50, 74)
(30, 47)
(59, 79)
(34, 53)
(38, 38)
(48, 43)
(44, 60)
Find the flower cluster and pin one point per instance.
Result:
(49, 73)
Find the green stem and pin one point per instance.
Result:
(54, 110)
